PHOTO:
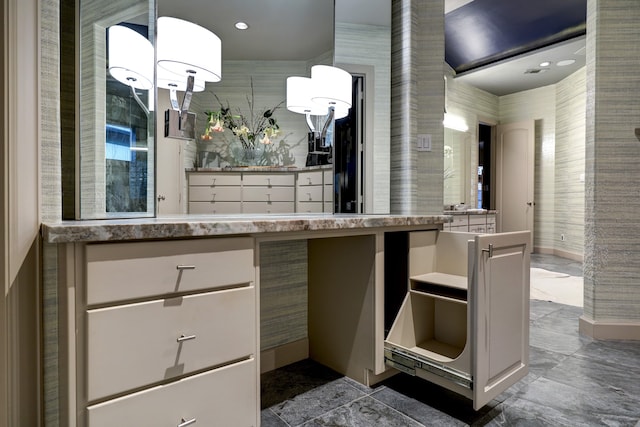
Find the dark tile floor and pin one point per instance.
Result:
(573, 381)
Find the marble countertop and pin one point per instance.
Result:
(470, 212)
(262, 169)
(184, 226)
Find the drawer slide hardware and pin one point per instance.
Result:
(184, 423)
(184, 337)
(409, 363)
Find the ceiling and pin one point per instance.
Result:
(495, 45)
(499, 45)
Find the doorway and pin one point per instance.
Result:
(348, 160)
(485, 134)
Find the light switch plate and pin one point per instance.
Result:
(424, 142)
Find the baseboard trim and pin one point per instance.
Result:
(563, 254)
(286, 354)
(609, 330)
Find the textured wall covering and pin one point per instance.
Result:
(417, 105)
(283, 292)
(371, 45)
(612, 253)
(51, 199)
(569, 164)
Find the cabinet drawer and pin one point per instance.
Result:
(268, 180)
(135, 345)
(120, 271)
(220, 398)
(268, 207)
(328, 173)
(328, 193)
(268, 194)
(310, 193)
(215, 179)
(216, 208)
(460, 221)
(215, 194)
(310, 178)
(328, 207)
(477, 220)
(310, 207)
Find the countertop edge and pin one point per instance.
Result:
(201, 226)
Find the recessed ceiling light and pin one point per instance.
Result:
(242, 25)
(566, 62)
(545, 64)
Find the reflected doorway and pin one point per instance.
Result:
(484, 167)
(348, 160)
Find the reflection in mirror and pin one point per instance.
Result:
(242, 120)
(457, 178)
(116, 138)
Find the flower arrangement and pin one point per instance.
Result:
(250, 129)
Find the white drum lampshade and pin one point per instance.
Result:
(130, 57)
(171, 81)
(185, 48)
(332, 87)
(299, 92)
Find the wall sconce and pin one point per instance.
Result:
(180, 66)
(451, 121)
(180, 57)
(326, 93)
(131, 60)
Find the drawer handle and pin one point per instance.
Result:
(185, 267)
(184, 423)
(184, 337)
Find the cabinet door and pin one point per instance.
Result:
(500, 307)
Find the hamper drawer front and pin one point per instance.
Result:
(215, 194)
(215, 180)
(310, 178)
(220, 398)
(269, 180)
(268, 194)
(215, 208)
(135, 345)
(310, 193)
(121, 271)
(310, 207)
(268, 207)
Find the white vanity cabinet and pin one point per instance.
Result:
(464, 322)
(310, 192)
(260, 191)
(219, 193)
(268, 193)
(166, 333)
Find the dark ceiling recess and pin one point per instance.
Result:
(486, 31)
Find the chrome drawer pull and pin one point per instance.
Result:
(184, 337)
(187, 423)
(185, 267)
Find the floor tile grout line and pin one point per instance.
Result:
(279, 417)
(395, 410)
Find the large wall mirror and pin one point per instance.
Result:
(124, 159)
(116, 124)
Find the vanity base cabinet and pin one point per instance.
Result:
(464, 322)
(221, 397)
(162, 333)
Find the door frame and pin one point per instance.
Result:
(365, 163)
